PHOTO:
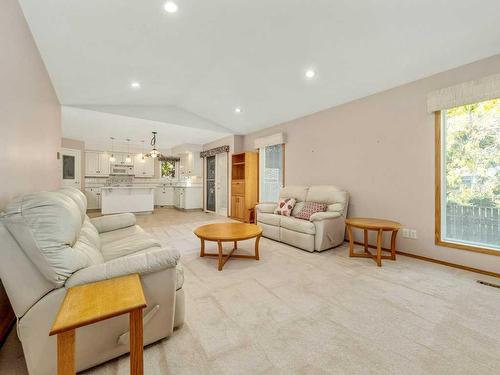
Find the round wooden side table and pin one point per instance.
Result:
(378, 225)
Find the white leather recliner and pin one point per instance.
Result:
(323, 231)
(48, 244)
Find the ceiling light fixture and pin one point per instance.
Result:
(310, 73)
(237, 110)
(170, 7)
(128, 159)
(112, 159)
(135, 85)
(154, 153)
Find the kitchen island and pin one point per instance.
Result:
(119, 199)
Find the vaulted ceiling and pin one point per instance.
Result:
(197, 65)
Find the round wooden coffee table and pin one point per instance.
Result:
(228, 232)
(378, 225)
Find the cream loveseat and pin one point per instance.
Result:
(49, 244)
(323, 231)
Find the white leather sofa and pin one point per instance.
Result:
(49, 244)
(323, 231)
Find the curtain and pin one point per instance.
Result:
(465, 93)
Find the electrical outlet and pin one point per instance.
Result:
(413, 234)
(405, 233)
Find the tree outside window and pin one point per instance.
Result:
(167, 169)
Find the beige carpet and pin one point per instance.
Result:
(294, 312)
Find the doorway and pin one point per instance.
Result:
(216, 184)
(71, 168)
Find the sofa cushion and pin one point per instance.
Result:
(78, 197)
(309, 209)
(270, 219)
(335, 198)
(298, 225)
(126, 241)
(46, 226)
(285, 206)
(89, 243)
(298, 207)
(297, 192)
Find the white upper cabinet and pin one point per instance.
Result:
(96, 163)
(190, 164)
(143, 167)
(121, 158)
(104, 164)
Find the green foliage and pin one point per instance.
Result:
(167, 169)
(472, 155)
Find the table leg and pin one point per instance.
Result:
(202, 248)
(136, 343)
(235, 245)
(219, 247)
(393, 244)
(257, 240)
(366, 240)
(351, 240)
(379, 247)
(66, 353)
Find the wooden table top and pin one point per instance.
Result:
(91, 303)
(228, 231)
(372, 223)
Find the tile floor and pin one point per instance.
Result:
(295, 312)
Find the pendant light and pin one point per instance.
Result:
(128, 159)
(112, 159)
(154, 152)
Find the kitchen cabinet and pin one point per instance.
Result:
(121, 158)
(144, 167)
(164, 196)
(190, 164)
(97, 164)
(93, 198)
(188, 198)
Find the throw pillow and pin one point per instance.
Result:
(285, 206)
(309, 209)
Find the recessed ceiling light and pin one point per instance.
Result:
(237, 110)
(135, 85)
(170, 7)
(310, 73)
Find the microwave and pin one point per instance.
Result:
(118, 169)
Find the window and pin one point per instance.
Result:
(271, 174)
(168, 169)
(468, 177)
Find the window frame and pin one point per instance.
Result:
(283, 153)
(438, 181)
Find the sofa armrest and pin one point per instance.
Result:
(319, 216)
(266, 207)
(143, 264)
(113, 222)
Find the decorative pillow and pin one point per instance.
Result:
(285, 206)
(309, 209)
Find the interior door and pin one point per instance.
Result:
(70, 167)
(221, 184)
(210, 194)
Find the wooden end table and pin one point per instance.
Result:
(228, 232)
(92, 303)
(378, 225)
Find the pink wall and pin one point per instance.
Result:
(381, 149)
(30, 122)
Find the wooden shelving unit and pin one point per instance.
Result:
(244, 185)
